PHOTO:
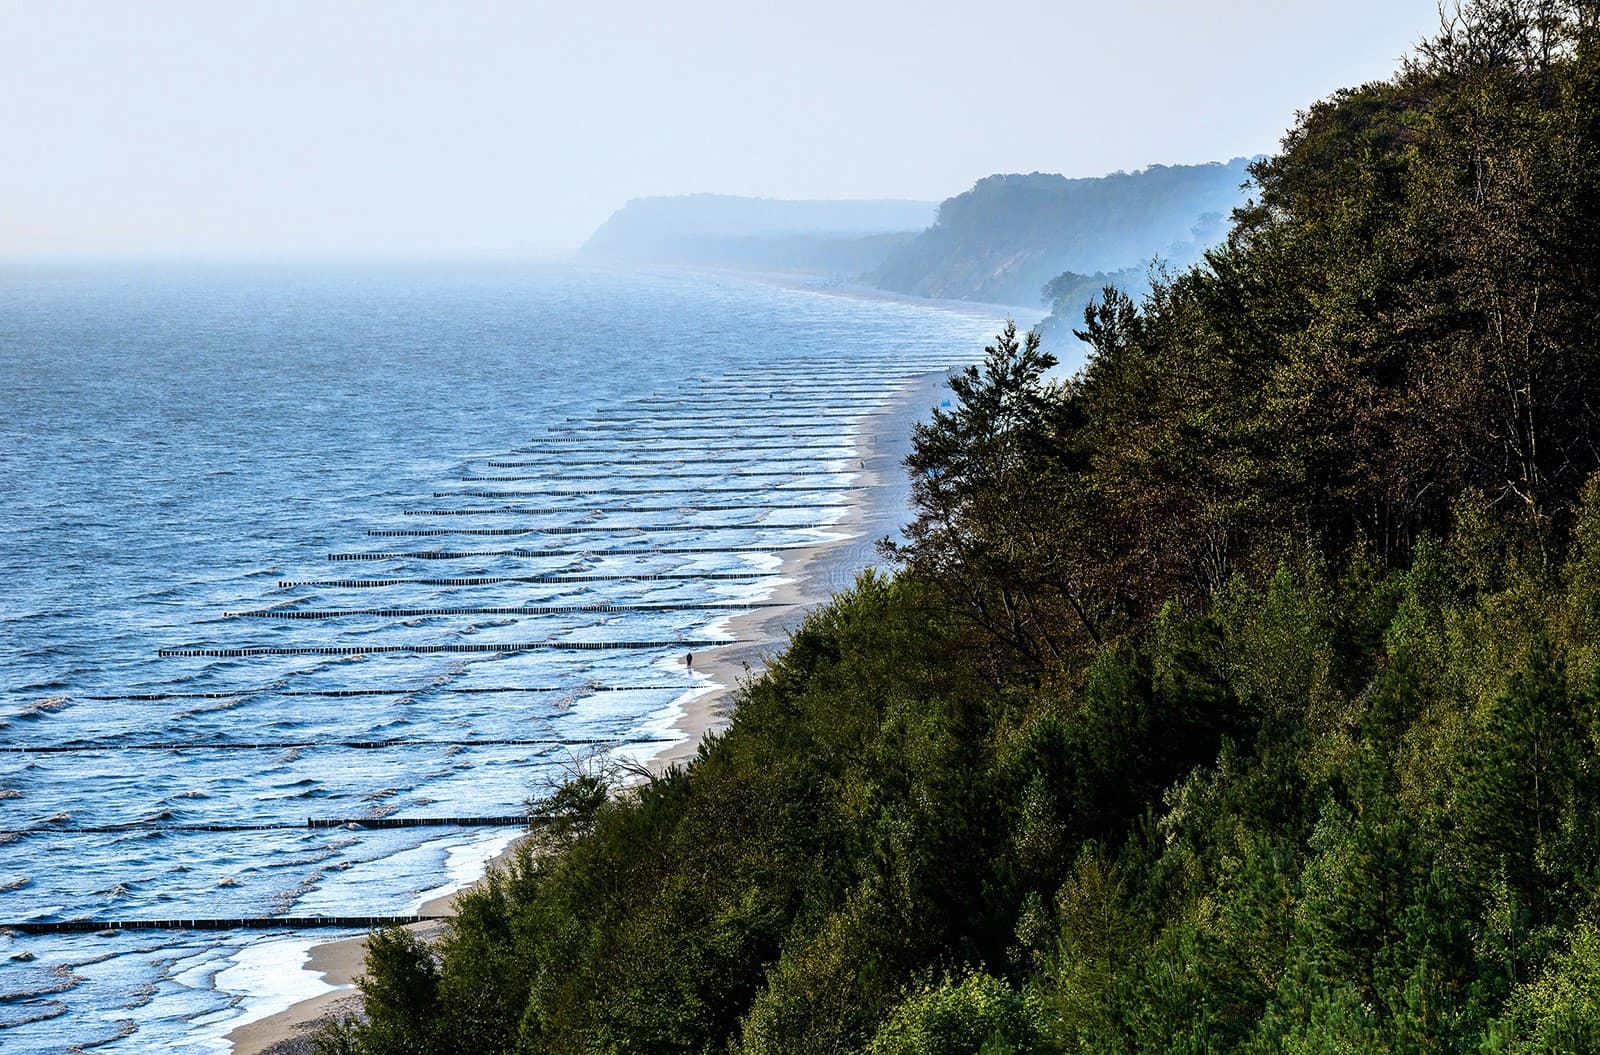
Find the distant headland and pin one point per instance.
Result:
(1018, 239)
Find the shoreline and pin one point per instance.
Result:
(821, 284)
(809, 575)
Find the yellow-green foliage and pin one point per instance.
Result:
(1559, 1012)
(974, 1013)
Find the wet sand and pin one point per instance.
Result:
(809, 576)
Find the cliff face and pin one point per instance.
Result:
(999, 242)
(1005, 238)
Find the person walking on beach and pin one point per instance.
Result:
(688, 660)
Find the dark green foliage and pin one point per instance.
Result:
(1239, 694)
(1069, 293)
(399, 1000)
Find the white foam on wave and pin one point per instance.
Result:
(262, 978)
(664, 724)
(465, 864)
(270, 976)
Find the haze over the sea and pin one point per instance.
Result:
(397, 127)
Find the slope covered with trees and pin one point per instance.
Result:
(1004, 239)
(1240, 694)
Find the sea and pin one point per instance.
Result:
(314, 575)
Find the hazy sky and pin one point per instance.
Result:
(479, 127)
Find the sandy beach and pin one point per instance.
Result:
(810, 575)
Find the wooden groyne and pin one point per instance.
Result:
(434, 554)
(448, 648)
(487, 580)
(678, 430)
(696, 396)
(863, 386)
(772, 429)
(532, 609)
(780, 415)
(669, 507)
(740, 408)
(98, 926)
(405, 690)
(562, 476)
(589, 529)
(782, 379)
(632, 459)
(794, 385)
(693, 398)
(353, 745)
(577, 447)
(677, 474)
(342, 823)
(584, 492)
(862, 400)
(433, 532)
(896, 370)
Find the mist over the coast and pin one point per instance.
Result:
(416, 128)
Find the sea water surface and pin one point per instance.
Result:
(544, 485)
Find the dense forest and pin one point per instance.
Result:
(1240, 693)
(1008, 236)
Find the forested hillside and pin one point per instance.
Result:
(1002, 241)
(1005, 238)
(1241, 693)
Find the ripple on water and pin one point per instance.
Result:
(283, 485)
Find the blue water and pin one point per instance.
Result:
(178, 442)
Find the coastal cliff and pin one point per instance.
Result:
(1238, 695)
(1008, 236)
(1011, 239)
